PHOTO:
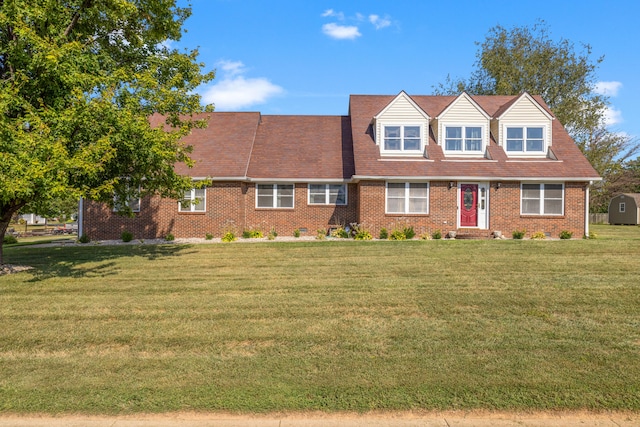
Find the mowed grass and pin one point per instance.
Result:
(329, 326)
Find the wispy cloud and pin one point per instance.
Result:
(341, 32)
(235, 91)
(607, 88)
(612, 117)
(333, 14)
(378, 22)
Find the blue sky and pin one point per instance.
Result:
(308, 56)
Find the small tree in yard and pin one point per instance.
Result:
(79, 80)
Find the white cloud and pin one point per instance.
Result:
(612, 116)
(607, 88)
(378, 22)
(332, 13)
(341, 32)
(236, 92)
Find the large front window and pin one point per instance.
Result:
(274, 196)
(402, 138)
(194, 200)
(408, 197)
(327, 194)
(463, 138)
(525, 139)
(542, 199)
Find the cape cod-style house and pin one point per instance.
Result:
(469, 164)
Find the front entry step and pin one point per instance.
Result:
(473, 234)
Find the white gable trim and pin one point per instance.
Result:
(402, 95)
(468, 98)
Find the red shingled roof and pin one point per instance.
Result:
(571, 163)
(303, 147)
(306, 148)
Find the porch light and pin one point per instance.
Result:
(498, 185)
(451, 184)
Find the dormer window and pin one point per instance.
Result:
(402, 138)
(525, 139)
(463, 139)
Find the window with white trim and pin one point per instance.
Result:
(274, 196)
(195, 200)
(463, 138)
(405, 138)
(622, 207)
(131, 203)
(542, 199)
(407, 197)
(328, 194)
(525, 139)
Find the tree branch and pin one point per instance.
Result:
(76, 17)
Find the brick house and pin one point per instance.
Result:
(470, 164)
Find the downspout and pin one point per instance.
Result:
(80, 217)
(586, 210)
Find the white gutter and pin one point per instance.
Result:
(476, 178)
(586, 210)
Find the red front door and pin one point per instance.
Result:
(468, 205)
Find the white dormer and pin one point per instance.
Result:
(401, 128)
(463, 128)
(524, 128)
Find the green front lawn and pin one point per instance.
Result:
(330, 326)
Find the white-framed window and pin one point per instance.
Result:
(328, 194)
(274, 196)
(133, 203)
(407, 197)
(622, 208)
(195, 200)
(402, 138)
(542, 199)
(463, 139)
(525, 139)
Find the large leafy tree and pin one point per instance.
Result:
(78, 82)
(512, 61)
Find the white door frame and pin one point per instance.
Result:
(483, 204)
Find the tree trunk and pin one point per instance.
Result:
(3, 228)
(6, 213)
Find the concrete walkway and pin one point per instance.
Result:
(313, 420)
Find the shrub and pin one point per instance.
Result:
(208, 236)
(384, 234)
(252, 234)
(360, 233)
(84, 238)
(425, 236)
(169, 237)
(9, 239)
(340, 233)
(296, 232)
(409, 232)
(229, 236)
(538, 235)
(518, 234)
(321, 234)
(398, 235)
(436, 235)
(272, 234)
(564, 234)
(126, 236)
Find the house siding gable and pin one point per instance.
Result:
(462, 113)
(524, 112)
(400, 111)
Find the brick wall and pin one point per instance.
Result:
(231, 206)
